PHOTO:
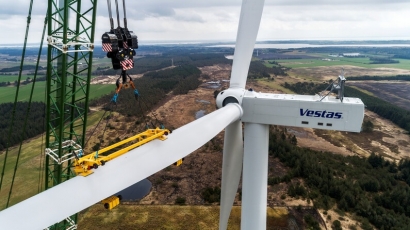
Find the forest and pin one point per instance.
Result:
(374, 60)
(152, 87)
(374, 189)
(258, 70)
(380, 78)
(151, 63)
(35, 122)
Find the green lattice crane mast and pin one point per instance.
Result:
(71, 28)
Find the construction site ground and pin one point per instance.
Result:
(202, 169)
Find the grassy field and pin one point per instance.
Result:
(27, 179)
(12, 78)
(169, 217)
(7, 94)
(276, 84)
(359, 62)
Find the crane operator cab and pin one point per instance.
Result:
(120, 45)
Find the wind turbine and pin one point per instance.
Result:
(247, 155)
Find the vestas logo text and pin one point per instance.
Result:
(319, 113)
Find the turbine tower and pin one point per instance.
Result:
(246, 154)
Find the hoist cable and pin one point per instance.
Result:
(41, 171)
(125, 14)
(110, 14)
(17, 94)
(118, 14)
(156, 119)
(92, 133)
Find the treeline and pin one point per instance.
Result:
(153, 63)
(378, 60)
(153, 87)
(17, 68)
(380, 78)
(306, 88)
(404, 54)
(375, 189)
(35, 122)
(3, 84)
(141, 65)
(258, 70)
(397, 115)
(25, 82)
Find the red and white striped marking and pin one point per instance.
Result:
(125, 45)
(107, 47)
(127, 64)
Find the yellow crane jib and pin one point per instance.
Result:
(83, 165)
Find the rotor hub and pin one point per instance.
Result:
(231, 95)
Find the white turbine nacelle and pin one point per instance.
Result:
(231, 95)
(303, 111)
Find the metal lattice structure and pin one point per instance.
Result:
(71, 27)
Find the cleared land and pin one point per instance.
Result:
(395, 92)
(169, 217)
(199, 169)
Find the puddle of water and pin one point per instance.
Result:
(212, 86)
(203, 101)
(199, 114)
(136, 191)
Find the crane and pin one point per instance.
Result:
(70, 42)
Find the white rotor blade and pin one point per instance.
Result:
(249, 21)
(231, 170)
(78, 193)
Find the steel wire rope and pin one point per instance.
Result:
(156, 119)
(125, 14)
(42, 162)
(105, 128)
(92, 133)
(118, 13)
(143, 115)
(17, 94)
(23, 133)
(41, 173)
(110, 14)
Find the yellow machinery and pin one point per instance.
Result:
(83, 165)
(111, 202)
(179, 162)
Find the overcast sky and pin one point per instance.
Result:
(170, 20)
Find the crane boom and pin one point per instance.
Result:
(71, 28)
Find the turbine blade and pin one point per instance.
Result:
(231, 170)
(78, 193)
(249, 21)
